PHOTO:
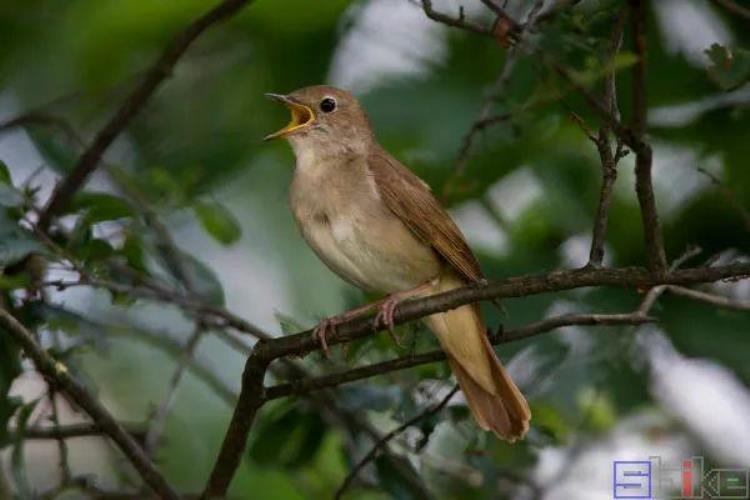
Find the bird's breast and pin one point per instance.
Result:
(351, 230)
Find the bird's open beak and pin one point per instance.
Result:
(302, 116)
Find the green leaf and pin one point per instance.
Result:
(290, 438)
(132, 250)
(549, 421)
(398, 478)
(15, 242)
(5, 174)
(101, 206)
(94, 250)
(598, 409)
(206, 284)
(624, 60)
(218, 222)
(288, 324)
(10, 196)
(10, 368)
(730, 68)
(14, 282)
(58, 153)
(18, 465)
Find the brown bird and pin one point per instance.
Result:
(377, 225)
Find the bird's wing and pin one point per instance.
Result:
(411, 200)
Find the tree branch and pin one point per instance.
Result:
(150, 290)
(303, 386)
(264, 352)
(56, 372)
(133, 103)
(77, 431)
(158, 421)
(251, 399)
(607, 156)
(303, 343)
(484, 118)
(455, 22)
(655, 256)
(709, 298)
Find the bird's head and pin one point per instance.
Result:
(325, 118)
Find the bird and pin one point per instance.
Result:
(378, 226)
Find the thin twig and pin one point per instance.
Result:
(690, 252)
(213, 315)
(730, 197)
(655, 257)
(607, 156)
(370, 456)
(39, 118)
(62, 446)
(455, 22)
(163, 342)
(58, 373)
(732, 7)
(709, 298)
(71, 431)
(484, 118)
(155, 426)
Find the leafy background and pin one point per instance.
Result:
(525, 202)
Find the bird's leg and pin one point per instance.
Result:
(328, 325)
(388, 306)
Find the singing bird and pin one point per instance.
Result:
(378, 226)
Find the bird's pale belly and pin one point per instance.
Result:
(373, 253)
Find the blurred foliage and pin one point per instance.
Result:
(193, 157)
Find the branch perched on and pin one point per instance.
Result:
(264, 352)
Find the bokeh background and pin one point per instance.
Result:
(525, 202)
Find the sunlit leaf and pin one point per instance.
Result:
(597, 409)
(548, 420)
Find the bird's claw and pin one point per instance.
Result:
(324, 328)
(385, 318)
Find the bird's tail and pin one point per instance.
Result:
(493, 398)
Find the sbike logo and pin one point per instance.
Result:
(651, 479)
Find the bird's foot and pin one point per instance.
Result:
(384, 317)
(326, 327)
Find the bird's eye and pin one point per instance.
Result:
(327, 105)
